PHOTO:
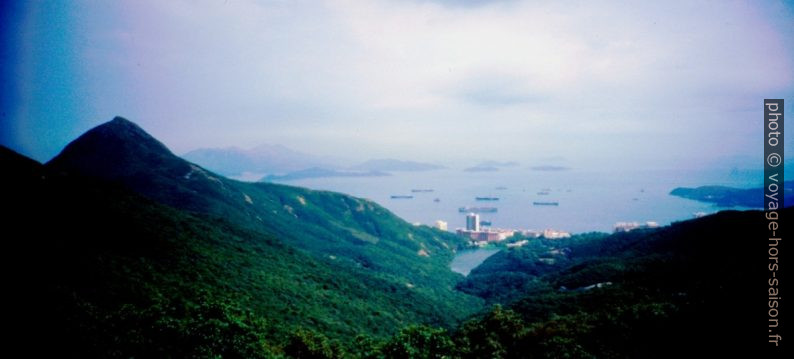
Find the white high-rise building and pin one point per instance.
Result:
(473, 222)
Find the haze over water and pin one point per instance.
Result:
(589, 200)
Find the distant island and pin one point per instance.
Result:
(319, 172)
(731, 197)
(392, 165)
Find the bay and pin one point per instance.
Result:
(589, 200)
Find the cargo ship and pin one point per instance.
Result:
(419, 190)
(477, 209)
(401, 197)
(545, 203)
(487, 198)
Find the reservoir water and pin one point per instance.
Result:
(468, 259)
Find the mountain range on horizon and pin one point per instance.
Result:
(280, 162)
(265, 158)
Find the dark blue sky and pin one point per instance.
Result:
(595, 83)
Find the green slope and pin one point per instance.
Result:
(119, 248)
(103, 271)
(325, 224)
(693, 288)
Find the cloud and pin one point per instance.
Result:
(497, 90)
(426, 78)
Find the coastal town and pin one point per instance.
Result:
(481, 234)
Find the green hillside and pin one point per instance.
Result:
(118, 248)
(112, 273)
(354, 231)
(695, 287)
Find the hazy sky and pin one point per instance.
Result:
(618, 83)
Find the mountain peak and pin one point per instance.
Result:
(117, 148)
(122, 127)
(121, 121)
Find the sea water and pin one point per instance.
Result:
(589, 200)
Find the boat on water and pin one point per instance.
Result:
(546, 203)
(477, 209)
(501, 188)
(420, 190)
(401, 197)
(487, 198)
(437, 200)
(543, 193)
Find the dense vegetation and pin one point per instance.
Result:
(648, 293)
(117, 274)
(325, 224)
(117, 248)
(204, 266)
(512, 273)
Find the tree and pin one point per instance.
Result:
(494, 336)
(421, 342)
(306, 344)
